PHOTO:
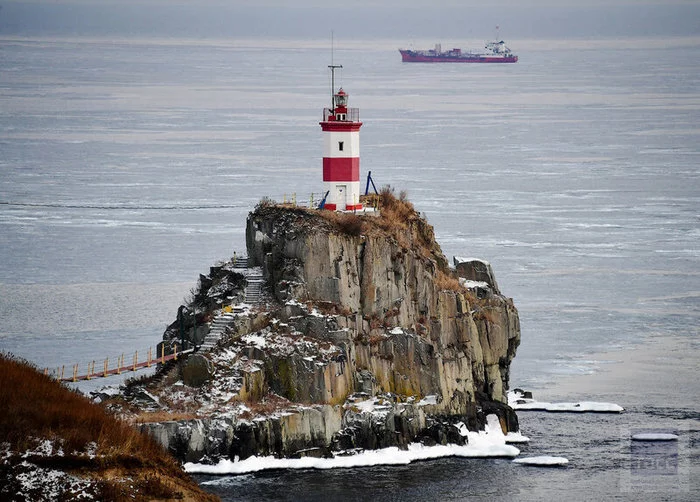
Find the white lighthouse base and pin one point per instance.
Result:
(342, 196)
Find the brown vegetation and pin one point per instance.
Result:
(488, 315)
(162, 416)
(346, 223)
(445, 281)
(267, 406)
(120, 460)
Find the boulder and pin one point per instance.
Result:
(477, 271)
(197, 370)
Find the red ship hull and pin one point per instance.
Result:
(413, 57)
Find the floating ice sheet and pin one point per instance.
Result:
(654, 436)
(544, 460)
(518, 402)
(516, 437)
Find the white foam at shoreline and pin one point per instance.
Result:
(489, 443)
(385, 456)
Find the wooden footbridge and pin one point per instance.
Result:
(120, 365)
(253, 295)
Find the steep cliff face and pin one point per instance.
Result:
(429, 336)
(367, 339)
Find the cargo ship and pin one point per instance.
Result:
(496, 52)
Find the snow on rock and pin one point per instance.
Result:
(255, 339)
(491, 436)
(654, 436)
(29, 481)
(544, 461)
(51, 483)
(517, 401)
(376, 406)
(473, 284)
(44, 448)
(462, 259)
(105, 392)
(428, 400)
(489, 443)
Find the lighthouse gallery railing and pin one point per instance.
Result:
(352, 115)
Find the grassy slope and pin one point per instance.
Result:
(114, 460)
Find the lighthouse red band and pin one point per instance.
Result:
(341, 155)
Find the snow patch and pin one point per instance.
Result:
(473, 284)
(374, 405)
(461, 259)
(255, 339)
(428, 400)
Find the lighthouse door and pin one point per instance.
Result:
(340, 191)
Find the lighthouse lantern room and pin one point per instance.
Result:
(341, 154)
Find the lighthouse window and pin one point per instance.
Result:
(340, 146)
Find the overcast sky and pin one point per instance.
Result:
(403, 19)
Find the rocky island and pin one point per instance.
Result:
(338, 332)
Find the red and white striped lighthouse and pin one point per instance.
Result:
(341, 154)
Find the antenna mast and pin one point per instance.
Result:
(333, 67)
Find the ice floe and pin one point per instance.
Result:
(544, 461)
(654, 436)
(516, 437)
(517, 401)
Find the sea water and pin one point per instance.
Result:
(128, 167)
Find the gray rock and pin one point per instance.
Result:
(197, 370)
(395, 333)
(476, 270)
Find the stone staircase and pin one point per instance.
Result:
(252, 297)
(254, 286)
(216, 329)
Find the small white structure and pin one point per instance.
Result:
(341, 155)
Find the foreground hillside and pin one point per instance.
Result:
(57, 445)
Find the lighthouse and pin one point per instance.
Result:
(341, 154)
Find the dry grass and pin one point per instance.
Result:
(398, 221)
(36, 408)
(345, 223)
(269, 405)
(445, 281)
(328, 308)
(161, 416)
(485, 314)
